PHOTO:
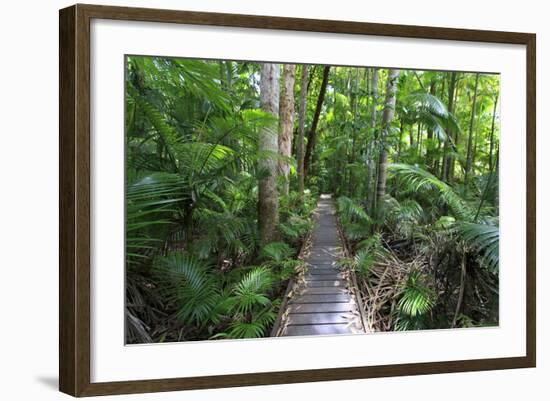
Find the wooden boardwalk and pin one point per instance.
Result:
(322, 300)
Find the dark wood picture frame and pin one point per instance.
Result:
(74, 203)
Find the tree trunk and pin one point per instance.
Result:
(268, 204)
(301, 125)
(430, 137)
(286, 122)
(470, 134)
(455, 137)
(387, 117)
(419, 139)
(335, 181)
(313, 130)
(492, 141)
(399, 144)
(371, 175)
(450, 105)
(353, 96)
(475, 144)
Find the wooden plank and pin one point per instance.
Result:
(318, 318)
(320, 298)
(324, 277)
(334, 247)
(322, 271)
(323, 266)
(316, 330)
(324, 252)
(321, 308)
(324, 290)
(323, 260)
(313, 259)
(327, 283)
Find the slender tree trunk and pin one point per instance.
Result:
(371, 175)
(399, 144)
(336, 160)
(450, 105)
(353, 87)
(475, 144)
(286, 122)
(313, 130)
(455, 137)
(461, 289)
(366, 80)
(301, 127)
(268, 204)
(430, 136)
(492, 141)
(419, 139)
(387, 117)
(471, 133)
(311, 77)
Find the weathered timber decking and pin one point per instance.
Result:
(321, 300)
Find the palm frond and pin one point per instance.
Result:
(485, 239)
(351, 211)
(415, 302)
(276, 251)
(417, 180)
(190, 284)
(251, 291)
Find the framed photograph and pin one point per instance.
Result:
(249, 200)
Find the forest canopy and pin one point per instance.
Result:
(225, 163)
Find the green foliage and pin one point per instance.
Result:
(415, 180)
(191, 203)
(483, 238)
(422, 107)
(251, 291)
(249, 305)
(372, 244)
(276, 251)
(363, 261)
(253, 329)
(295, 214)
(404, 217)
(190, 284)
(150, 204)
(416, 301)
(417, 298)
(195, 266)
(350, 211)
(356, 223)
